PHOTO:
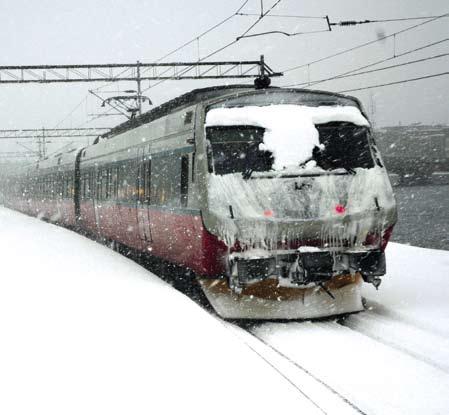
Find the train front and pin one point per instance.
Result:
(298, 192)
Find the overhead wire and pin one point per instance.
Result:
(215, 26)
(362, 45)
(387, 67)
(396, 82)
(261, 16)
(196, 38)
(284, 15)
(72, 111)
(378, 62)
(222, 22)
(357, 22)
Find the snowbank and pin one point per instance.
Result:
(290, 132)
(416, 287)
(86, 331)
(394, 357)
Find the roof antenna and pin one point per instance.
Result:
(263, 81)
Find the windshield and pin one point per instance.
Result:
(235, 149)
(343, 145)
(238, 149)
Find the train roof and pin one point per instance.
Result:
(200, 95)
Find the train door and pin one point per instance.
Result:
(143, 195)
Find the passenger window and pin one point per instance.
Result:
(166, 181)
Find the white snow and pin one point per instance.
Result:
(290, 132)
(392, 358)
(251, 200)
(86, 331)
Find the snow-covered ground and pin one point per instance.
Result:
(84, 330)
(392, 358)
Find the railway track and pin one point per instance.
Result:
(421, 343)
(322, 396)
(368, 363)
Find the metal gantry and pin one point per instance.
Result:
(42, 136)
(115, 72)
(52, 132)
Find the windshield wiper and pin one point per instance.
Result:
(246, 174)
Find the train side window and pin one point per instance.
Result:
(83, 188)
(140, 183)
(166, 180)
(184, 180)
(86, 186)
(114, 182)
(91, 184)
(110, 183)
(98, 185)
(148, 181)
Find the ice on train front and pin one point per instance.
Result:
(298, 192)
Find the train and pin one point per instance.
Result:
(276, 199)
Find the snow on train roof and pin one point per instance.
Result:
(290, 132)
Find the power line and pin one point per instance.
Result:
(284, 15)
(205, 32)
(396, 82)
(346, 74)
(262, 16)
(72, 111)
(362, 45)
(280, 32)
(357, 22)
(196, 38)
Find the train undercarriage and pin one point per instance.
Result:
(301, 284)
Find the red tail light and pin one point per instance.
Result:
(386, 237)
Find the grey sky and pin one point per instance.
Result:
(100, 31)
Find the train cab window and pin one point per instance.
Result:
(235, 149)
(345, 145)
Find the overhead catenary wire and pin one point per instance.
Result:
(362, 45)
(367, 21)
(284, 15)
(378, 62)
(199, 36)
(194, 39)
(385, 68)
(403, 81)
(261, 16)
(72, 111)
(280, 32)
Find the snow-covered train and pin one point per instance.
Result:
(277, 199)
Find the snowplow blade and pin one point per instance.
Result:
(267, 300)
